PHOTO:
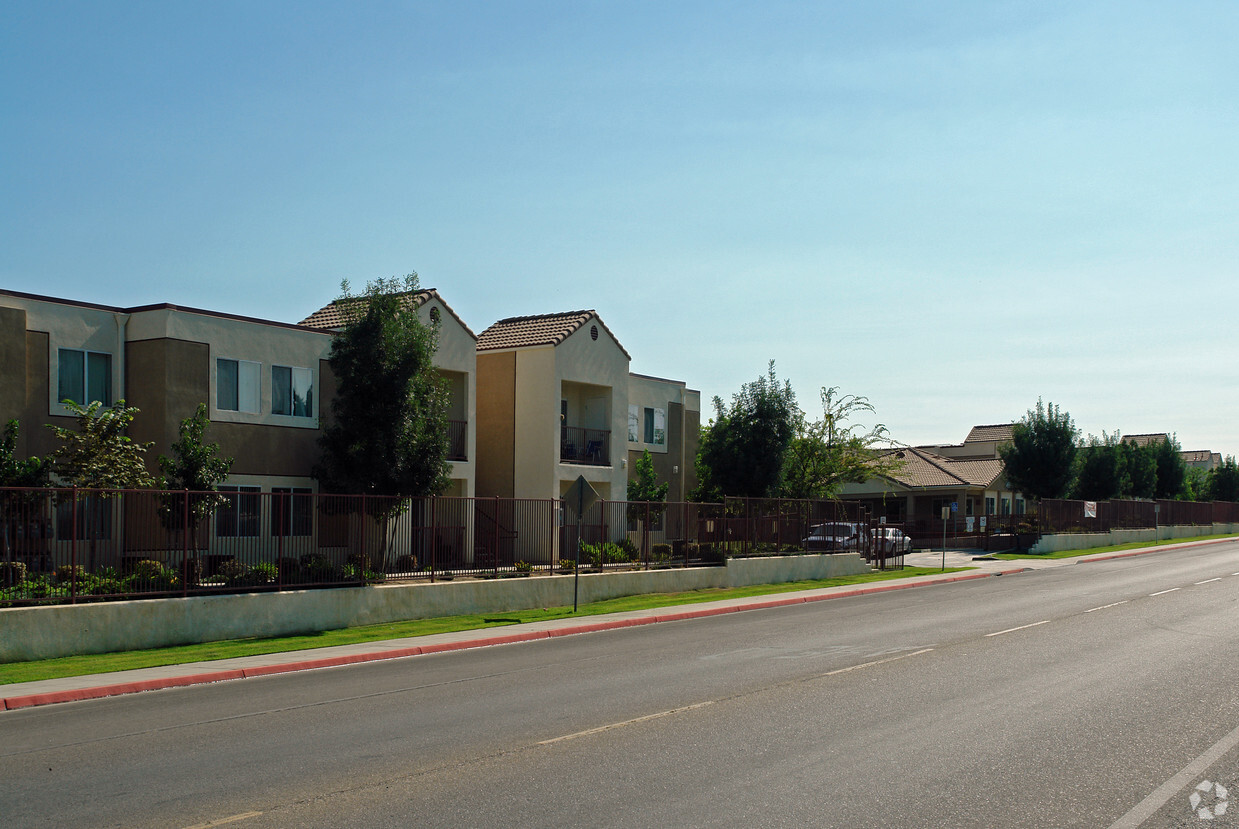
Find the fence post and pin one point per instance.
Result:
(73, 551)
(185, 545)
(494, 536)
(434, 538)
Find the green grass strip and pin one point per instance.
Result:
(1114, 548)
(12, 672)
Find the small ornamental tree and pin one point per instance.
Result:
(194, 466)
(645, 495)
(1171, 468)
(100, 455)
(1101, 469)
(826, 454)
(1222, 483)
(1039, 461)
(388, 433)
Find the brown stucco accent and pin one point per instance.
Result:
(496, 425)
(165, 380)
(692, 442)
(38, 439)
(12, 364)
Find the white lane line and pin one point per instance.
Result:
(1206, 581)
(1146, 808)
(877, 662)
(1104, 606)
(646, 718)
(1164, 592)
(1021, 627)
(1235, 574)
(225, 820)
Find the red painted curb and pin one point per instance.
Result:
(99, 692)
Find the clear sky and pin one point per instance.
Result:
(951, 208)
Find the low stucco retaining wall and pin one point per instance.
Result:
(64, 630)
(1082, 541)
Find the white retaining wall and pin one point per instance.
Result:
(1082, 541)
(64, 630)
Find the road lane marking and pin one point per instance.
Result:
(1146, 808)
(1164, 592)
(1021, 627)
(1206, 581)
(633, 721)
(1104, 606)
(224, 820)
(876, 662)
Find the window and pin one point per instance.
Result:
(1006, 506)
(1019, 506)
(655, 423)
(93, 518)
(969, 507)
(238, 516)
(989, 506)
(84, 376)
(634, 419)
(292, 391)
(290, 511)
(236, 385)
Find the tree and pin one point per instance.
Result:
(643, 485)
(1171, 468)
(830, 452)
(1222, 483)
(743, 448)
(1101, 469)
(388, 434)
(194, 466)
(1040, 457)
(99, 455)
(1140, 465)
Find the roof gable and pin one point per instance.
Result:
(335, 315)
(997, 431)
(540, 330)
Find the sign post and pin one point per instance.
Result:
(580, 497)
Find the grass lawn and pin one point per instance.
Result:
(1114, 548)
(11, 672)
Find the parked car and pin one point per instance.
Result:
(891, 539)
(832, 537)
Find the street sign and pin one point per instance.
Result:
(955, 506)
(982, 522)
(968, 522)
(580, 496)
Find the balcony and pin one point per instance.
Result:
(458, 440)
(587, 446)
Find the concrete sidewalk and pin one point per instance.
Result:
(95, 686)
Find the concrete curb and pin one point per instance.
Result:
(1157, 549)
(101, 691)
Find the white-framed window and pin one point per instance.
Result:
(656, 426)
(634, 418)
(292, 391)
(237, 385)
(84, 376)
(239, 515)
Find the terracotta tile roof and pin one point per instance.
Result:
(542, 329)
(923, 469)
(999, 431)
(335, 315)
(1145, 440)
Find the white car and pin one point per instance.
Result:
(832, 537)
(890, 540)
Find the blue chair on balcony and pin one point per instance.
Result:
(593, 451)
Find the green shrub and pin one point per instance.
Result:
(711, 554)
(69, 572)
(12, 573)
(147, 569)
(289, 570)
(523, 567)
(628, 548)
(660, 552)
(567, 565)
(317, 567)
(263, 573)
(405, 564)
(231, 570)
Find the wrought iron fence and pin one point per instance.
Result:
(73, 545)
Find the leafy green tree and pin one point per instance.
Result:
(1101, 469)
(1040, 458)
(195, 466)
(388, 433)
(99, 454)
(1222, 483)
(743, 448)
(1140, 464)
(643, 485)
(1171, 468)
(826, 454)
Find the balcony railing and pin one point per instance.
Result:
(458, 440)
(587, 446)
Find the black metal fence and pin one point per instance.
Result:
(72, 545)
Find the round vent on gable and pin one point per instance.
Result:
(593, 332)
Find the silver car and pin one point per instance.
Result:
(890, 540)
(832, 537)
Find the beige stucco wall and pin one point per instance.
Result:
(457, 354)
(601, 362)
(49, 632)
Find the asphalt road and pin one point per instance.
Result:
(1091, 695)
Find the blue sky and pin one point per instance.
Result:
(951, 208)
